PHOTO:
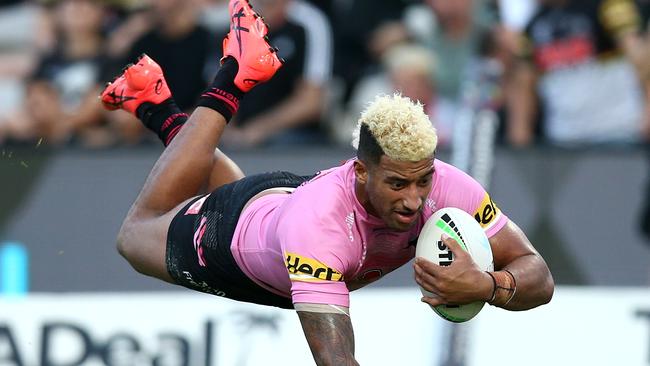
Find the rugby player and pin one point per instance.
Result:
(298, 242)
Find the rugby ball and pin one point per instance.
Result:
(461, 226)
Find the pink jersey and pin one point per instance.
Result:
(318, 243)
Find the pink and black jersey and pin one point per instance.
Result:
(318, 243)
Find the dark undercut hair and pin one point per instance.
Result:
(369, 150)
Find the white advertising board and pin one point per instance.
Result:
(172, 329)
(580, 326)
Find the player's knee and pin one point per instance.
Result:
(135, 243)
(123, 241)
(126, 245)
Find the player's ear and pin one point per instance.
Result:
(361, 171)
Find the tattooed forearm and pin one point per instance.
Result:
(330, 337)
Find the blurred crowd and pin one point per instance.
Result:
(560, 72)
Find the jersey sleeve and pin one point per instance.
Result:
(317, 254)
(464, 192)
(488, 214)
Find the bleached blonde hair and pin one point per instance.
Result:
(400, 126)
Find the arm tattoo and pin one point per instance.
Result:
(330, 337)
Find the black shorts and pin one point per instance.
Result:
(198, 244)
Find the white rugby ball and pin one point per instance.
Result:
(461, 226)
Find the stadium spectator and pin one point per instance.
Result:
(128, 22)
(181, 45)
(455, 31)
(288, 109)
(364, 29)
(410, 70)
(472, 51)
(170, 31)
(61, 94)
(586, 65)
(25, 32)
(256, 239)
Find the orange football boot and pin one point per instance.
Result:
(139, 83)
(248, 44)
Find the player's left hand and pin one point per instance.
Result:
(460, 283)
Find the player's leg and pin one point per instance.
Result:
(178, 175)
(224, 170)
(186, 164)
(162, 115)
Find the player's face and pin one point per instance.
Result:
(396, 190)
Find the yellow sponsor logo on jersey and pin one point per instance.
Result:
(487, 212)
(306, 269)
